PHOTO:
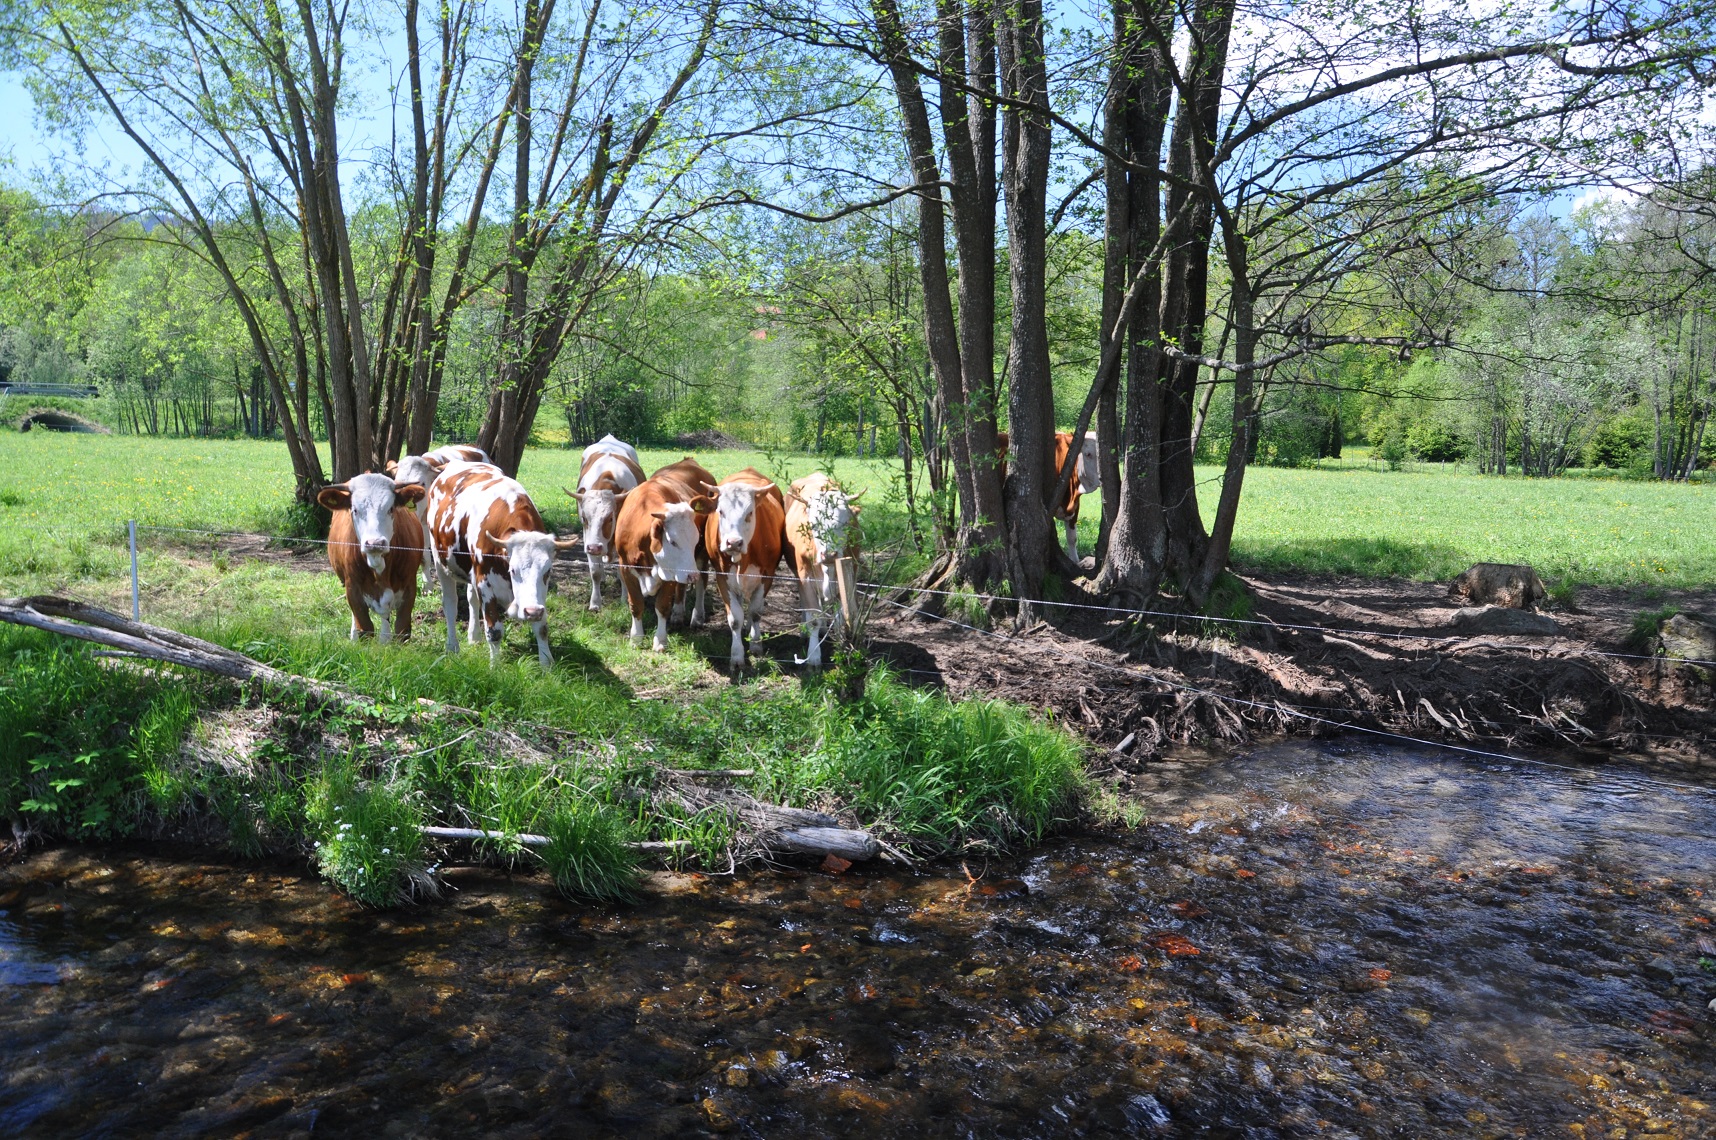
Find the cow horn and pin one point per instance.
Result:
(859, 495)
(708, 488)
(620, 495)
(579, 495)
(566, 543)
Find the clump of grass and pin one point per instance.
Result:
(76, 736)
(1563, 594)
(939, 775)
(1113, 810)
(369, 843)
(589, 853)
(1647, 626)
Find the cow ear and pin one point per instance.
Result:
(658, 516)
(437, 463)
(791, 497)
(701, 505)
(410, 492)
(856, 511)
(392, 466)
(335, 498)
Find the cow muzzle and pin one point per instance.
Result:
(531, 613)
(597, 550)
(733, 548)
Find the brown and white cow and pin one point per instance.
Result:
(486, 534)
(1087, 477)
(658, 540)
(426, 468)
(603, 484)
(375, 545)
(745, 536)
(611, 445)
(821, 528)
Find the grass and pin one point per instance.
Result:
(90, 748)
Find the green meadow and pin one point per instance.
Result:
(64, 501)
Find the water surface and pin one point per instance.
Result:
(1308, 940)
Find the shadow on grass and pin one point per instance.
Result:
(1364, 557)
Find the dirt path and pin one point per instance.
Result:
(1226, 684)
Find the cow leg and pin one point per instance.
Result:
(543, 655)
(595, 584)
(361, 625)
(663, 607)
(450, 609)
(494, 626)
(474, 606)
(1072, 537)
(407, 604)
(810, 594)
(831, 587)
(759, 596)
(635, 599)
(700, 577)
(733, 601)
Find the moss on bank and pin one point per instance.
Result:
(93, 748)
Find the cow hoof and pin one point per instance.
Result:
(594, 608)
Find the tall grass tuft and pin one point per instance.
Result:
(589, 853)
(936, 774)
(368, 839)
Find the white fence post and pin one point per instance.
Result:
(136, 601)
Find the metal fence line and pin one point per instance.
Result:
(875, 589)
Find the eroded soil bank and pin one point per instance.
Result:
(1329, 939)
(1385, 654)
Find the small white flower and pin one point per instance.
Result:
(387, 851)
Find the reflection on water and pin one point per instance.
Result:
(1308, 940)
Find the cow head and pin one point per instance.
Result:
(530, 563)
(831, 515)
(673, 539)
(416, 469)
(597, 511)
(736, 516)
(1089, 466)
(371, 499)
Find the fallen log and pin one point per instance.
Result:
(530, 839)
(91, 623)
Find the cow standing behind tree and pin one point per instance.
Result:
(821, 529)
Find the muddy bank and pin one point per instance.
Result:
(1174, 682)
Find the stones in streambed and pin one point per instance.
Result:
(1689, 638)
(1508, 585)
(1503, 622)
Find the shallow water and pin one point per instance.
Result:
(1306, 940)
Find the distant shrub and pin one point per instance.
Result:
(1432, 442)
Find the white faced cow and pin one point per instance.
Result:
(659, 539)
(745, 536)
(820, 529)
(375, 545)
(607, 478)
(485, 532)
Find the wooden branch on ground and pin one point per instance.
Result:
(91, 623)
(530, 839)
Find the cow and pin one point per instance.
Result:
(486, 534)
(658, 539)
(820, 518)
(375, 545)
(744, 535)
(608, 445)
(1087, 477)
(603, 484)
(425, 469)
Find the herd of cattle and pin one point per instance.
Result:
(661, 535)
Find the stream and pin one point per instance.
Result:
(1309, 939)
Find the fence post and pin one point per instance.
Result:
(136, 603)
